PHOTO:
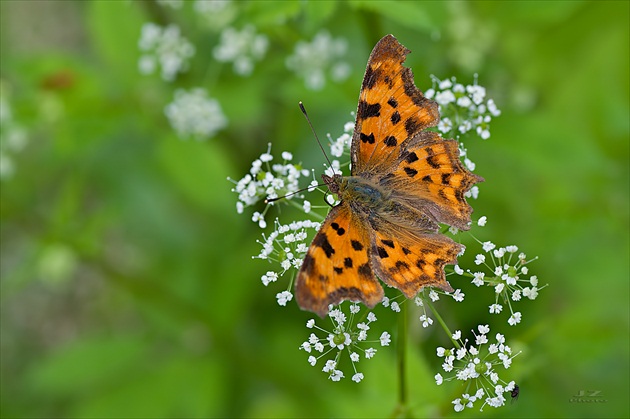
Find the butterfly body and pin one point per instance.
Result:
(405, 181)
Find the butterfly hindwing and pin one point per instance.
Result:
(337, 265)
(391, 109)
(410, 260)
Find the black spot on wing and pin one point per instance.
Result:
(388, 243)
(410, 172)
(411, 125)
(392, 102)
(406, 251)
(338, 270)
(340, 230)
(321, 240)
(347, 262)
(411, 157)
(356, 245)
(431, 162)
(445, 178)
(368, 110)
(401, 265)
(382, 252)
(427, 178)
(395, 118)
(365, 270)
(367, 138)
(371, 77)
(390, 141)
(308, 264)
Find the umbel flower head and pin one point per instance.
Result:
(193, 114)
(463, 108)
(346, 336)
(166, 48)
(478, 364)
(315, 60)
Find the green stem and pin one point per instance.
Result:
(441, 321)
(401, 409)
(402, 356)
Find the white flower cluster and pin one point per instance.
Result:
(312, 61)
(345, 336)
(508, 274)
(286, 246)
(164, 47)
(12, 135)
(341, 145)
(268, 181)
(173, 4)
(241, 48)
(216, 14)
(463, 108)
(476, 364)
(194, 114)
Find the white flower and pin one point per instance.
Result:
(164, 46)
(438, 379)
(385, 339)
(458, 295)
(457, 335)
(194, 114)
(496, 308)
(242, 48)
(426, 321)
(479, 259)
(336, 375)
(445, 125)
(478, 278)
(530, 293)
(445, 97)
(395, 307)
(324, 55)
(284, 297)
(514, 319)
(488, 246)
(329, 366)
(269, 277)
(482, 221)
(357, 377)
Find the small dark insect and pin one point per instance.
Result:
(515, 392)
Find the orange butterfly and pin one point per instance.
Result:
(404, 181)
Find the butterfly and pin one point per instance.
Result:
(404, 181)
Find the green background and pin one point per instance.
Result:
(127, 285)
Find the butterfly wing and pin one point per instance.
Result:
(428, 175)
(391, 109)
(410, 260)
(337, 265)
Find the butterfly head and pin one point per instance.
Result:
(333, 182)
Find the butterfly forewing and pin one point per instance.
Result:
(337, 265)
(391, 109)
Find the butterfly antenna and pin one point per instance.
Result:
(314, 133)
